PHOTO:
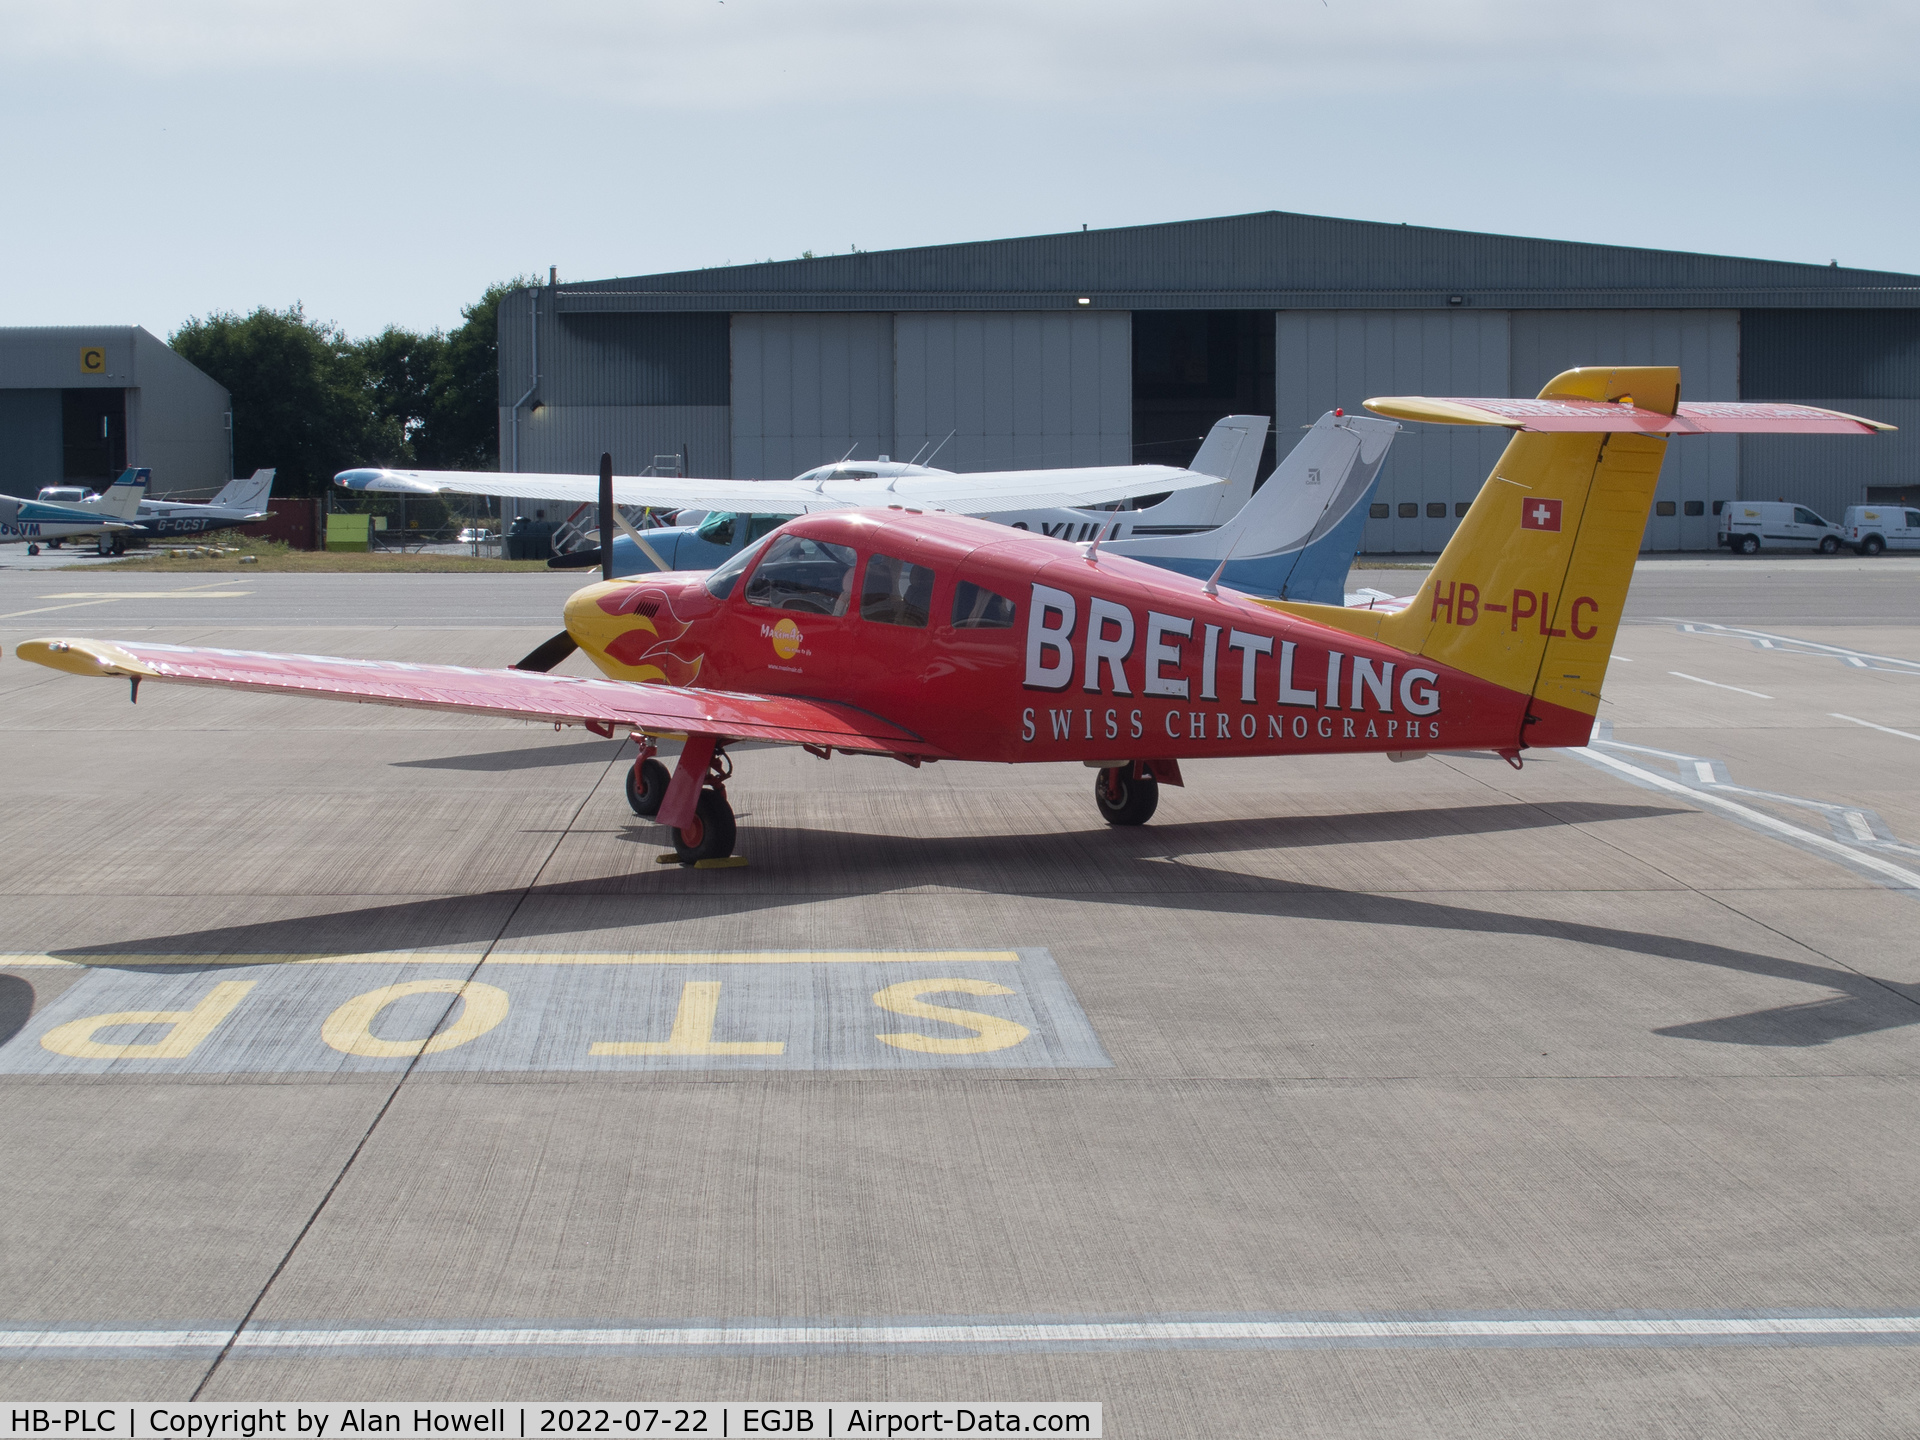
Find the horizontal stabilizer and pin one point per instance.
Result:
(1707, 417)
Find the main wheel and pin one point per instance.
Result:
(1829, 545)
(103, 546)
(119, 544)
(647, 786)
(1872, 545)
(33, 549)
(709, 835)
(1748, 544)
(1125, 798)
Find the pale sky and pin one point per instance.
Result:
(381, 161)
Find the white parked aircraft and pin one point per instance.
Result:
(109, 520)
(240, 502)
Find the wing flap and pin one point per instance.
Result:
(517, 694)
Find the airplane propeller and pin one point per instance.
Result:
(550, 653)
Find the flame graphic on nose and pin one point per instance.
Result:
(639, 635)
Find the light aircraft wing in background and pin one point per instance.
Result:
(600, 705)
(983, 493)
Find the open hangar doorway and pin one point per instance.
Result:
(1190, 367)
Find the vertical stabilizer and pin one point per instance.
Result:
(251, 493)
(122, 498)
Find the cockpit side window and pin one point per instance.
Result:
(717, 528)
(896, 592)
(759, 525)
(799, 573)
(977, 608)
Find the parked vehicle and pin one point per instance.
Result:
(1749, 526)
(1873, 528)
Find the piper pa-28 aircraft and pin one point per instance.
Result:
(1294, 539)
(109, 518)
(240, 502)
(893, 632)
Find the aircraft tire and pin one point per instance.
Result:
(648, 788)
(33, 549)
(1139, 797)
(709, 835)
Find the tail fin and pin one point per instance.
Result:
(122, 498)
(251, 493)
(1296, 537)
(1529, 591)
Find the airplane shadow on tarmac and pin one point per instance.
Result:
(1150, 867)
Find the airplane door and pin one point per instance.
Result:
(787, 629)
(893, 637)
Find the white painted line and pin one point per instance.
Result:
(1899, 874)
(1623, 658)
(1857, 823)
(1717, 685)
(1853, 657)
(1704, 770)
(1122, 1334)
(1886, 729)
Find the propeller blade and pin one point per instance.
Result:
(606, 517)
(548, 654)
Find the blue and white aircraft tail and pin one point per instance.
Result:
(1296, 538)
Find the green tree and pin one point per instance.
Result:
(301, 398)
(311, 403)
(461, 425)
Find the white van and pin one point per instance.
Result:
(1873, 528)
(1748, 526)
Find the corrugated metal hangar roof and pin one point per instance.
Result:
(1269, 260)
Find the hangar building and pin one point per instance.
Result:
(1110, 346)
(82, 402)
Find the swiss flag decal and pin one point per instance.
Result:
(1540, 515)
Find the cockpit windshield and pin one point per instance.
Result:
(720, 582)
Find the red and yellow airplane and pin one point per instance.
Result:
(935, 637)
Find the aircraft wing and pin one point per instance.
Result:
(983, 493)
(600, 705)
(1589, 416)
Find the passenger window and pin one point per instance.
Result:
(1804, 516)
(805, 575)
(897, 592)
(977, 608)
(717, 528)
(1913, 519)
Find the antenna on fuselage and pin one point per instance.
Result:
(942, 445)
(1093, 550)
(1213, 582)
(606, 516)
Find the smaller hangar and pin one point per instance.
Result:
(79, 403)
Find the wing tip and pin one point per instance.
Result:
(83, 657)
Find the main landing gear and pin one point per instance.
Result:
(1126, 794)
(708, 833)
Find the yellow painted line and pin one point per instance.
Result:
(107, 597)
(720, 957)
(145, 594)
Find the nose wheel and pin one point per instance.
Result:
(1126, 794)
